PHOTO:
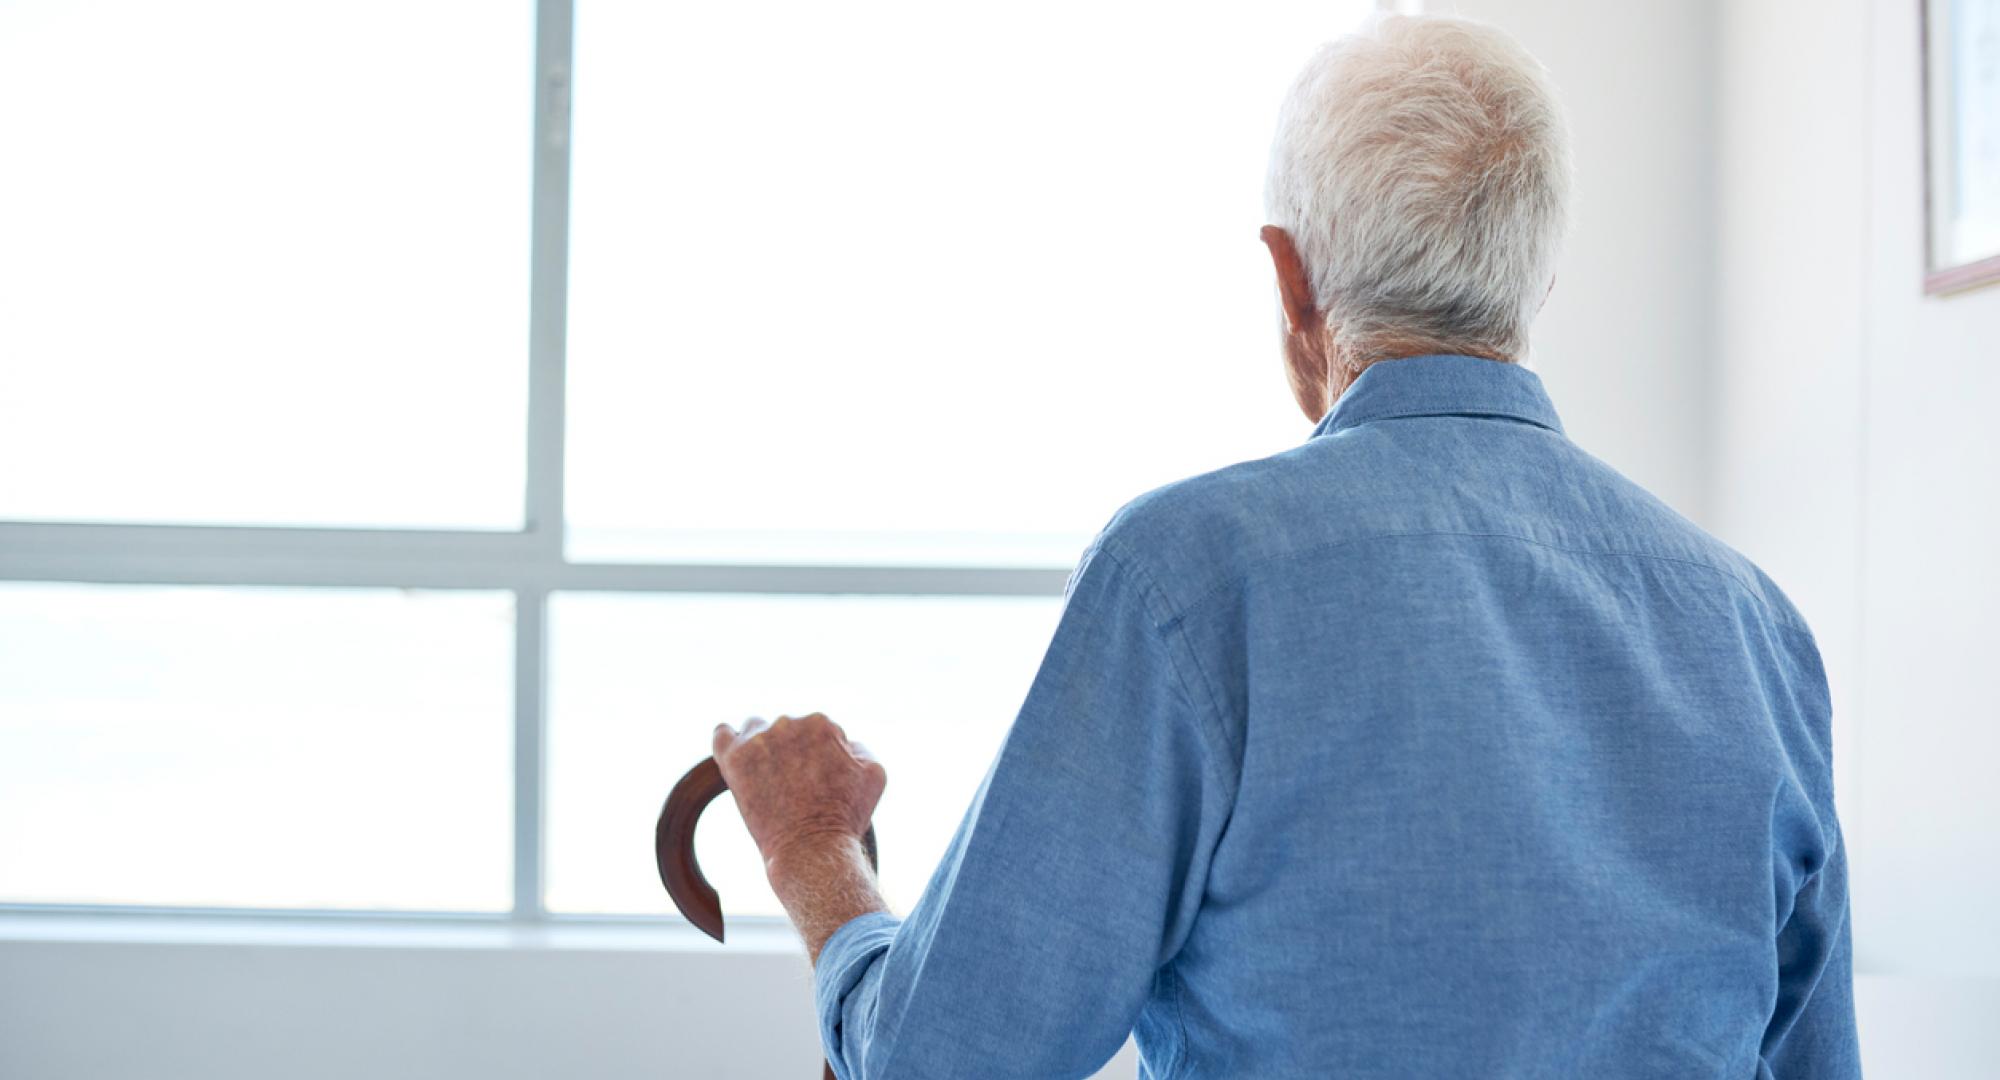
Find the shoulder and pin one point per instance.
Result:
(1182, 537)
(1654, 528)
(1192, 536)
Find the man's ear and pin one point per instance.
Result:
(1294, 291)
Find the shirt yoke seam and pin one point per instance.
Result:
(1733, 578)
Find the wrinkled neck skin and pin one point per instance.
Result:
(1319, 373)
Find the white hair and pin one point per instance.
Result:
(1422, 169)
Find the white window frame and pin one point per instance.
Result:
(530, 562)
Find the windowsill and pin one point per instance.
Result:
(747, 935)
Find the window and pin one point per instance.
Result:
(400, 476)
(265, 264)
(320, 748)
(639, 680)
(950, 284)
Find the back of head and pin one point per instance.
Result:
(1422, 169)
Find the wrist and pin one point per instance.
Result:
(814, 855)
(823, 879)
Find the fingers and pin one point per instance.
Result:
(726, 738)
(870, 764)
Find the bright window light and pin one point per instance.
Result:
(916, 282)
(886, 305)
(265, 264)
(638, 683)
(308, 748)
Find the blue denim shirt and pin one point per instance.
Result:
(1432, 747)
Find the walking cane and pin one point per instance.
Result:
(673, 849)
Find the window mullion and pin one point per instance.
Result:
(548, 300)
(548, 318)
(530, 742)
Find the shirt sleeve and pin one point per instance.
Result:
(1811, 1033)
(1072, 878)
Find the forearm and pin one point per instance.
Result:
(823, 884)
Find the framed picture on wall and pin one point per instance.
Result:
(1961, 70)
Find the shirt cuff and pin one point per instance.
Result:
(844, 961)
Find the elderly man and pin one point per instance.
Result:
(1431, 747)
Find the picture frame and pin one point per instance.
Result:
(1960, 41)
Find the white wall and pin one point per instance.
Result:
(1857, 462)
(1929, 711)
(477, 1007)
(199, 1001)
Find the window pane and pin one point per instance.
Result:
(909, 282)
(265, 263)
(930, 684)
(255, 747)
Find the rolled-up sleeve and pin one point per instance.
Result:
(1073, 877)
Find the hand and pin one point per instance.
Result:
(800, 784)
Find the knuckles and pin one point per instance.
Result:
(809, 724)
(754, 746)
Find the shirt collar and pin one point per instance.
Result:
(1441, 385)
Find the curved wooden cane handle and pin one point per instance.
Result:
(673, 849)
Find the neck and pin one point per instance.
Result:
(1348, 363)
(1355, 359)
